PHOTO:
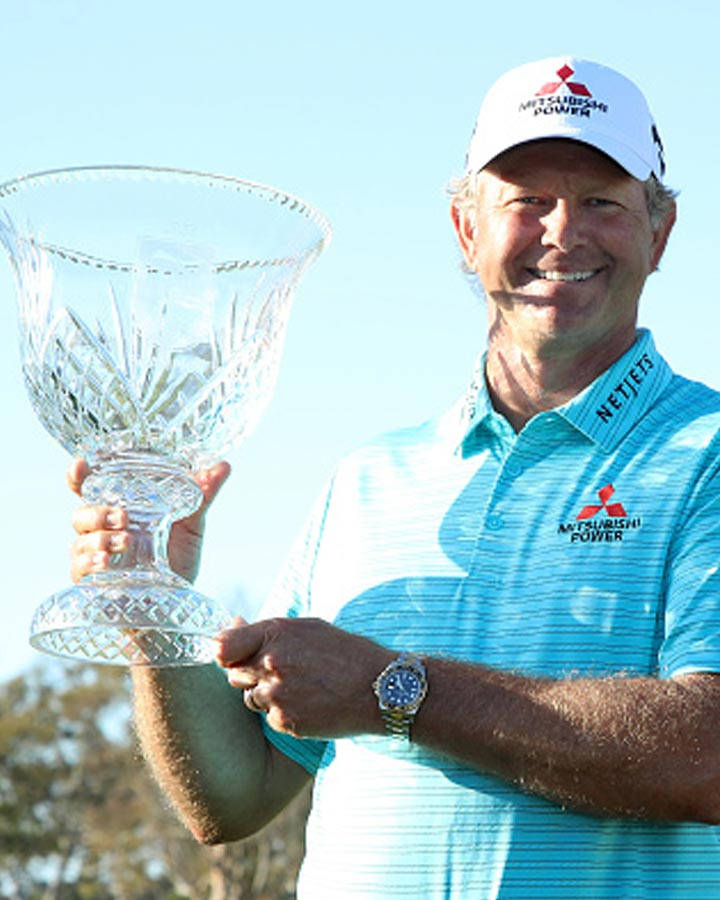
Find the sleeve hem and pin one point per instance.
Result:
(306, 753)
(674, 668)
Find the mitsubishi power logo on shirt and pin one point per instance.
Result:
(563, 97)
(603, 521)
(612, 509)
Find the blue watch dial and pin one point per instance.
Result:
(400, 688)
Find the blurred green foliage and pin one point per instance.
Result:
(82, 819)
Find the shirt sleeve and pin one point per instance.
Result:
(290, 596)
(692, 610)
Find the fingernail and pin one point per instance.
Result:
(114, 518)
(115, 543)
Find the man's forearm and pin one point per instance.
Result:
(208, 752)
(639, 747)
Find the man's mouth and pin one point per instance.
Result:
(555, 275)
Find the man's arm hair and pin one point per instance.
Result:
(209, 754)
(637, 747)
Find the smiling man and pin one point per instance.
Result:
(561, 240)
(496, 646)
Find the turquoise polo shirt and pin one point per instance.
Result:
(586, 545)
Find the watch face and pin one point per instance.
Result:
(402, 687)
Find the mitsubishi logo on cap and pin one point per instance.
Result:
(564, 73)
(565, 97)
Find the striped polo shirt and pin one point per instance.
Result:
(586, 545)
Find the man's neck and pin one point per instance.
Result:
(523, 382)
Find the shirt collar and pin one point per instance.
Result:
(612, 405)
(605, 411)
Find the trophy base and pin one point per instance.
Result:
(129, 621)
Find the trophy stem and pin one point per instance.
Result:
(138, 612)
(147, 552)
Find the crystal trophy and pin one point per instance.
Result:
(153, 305)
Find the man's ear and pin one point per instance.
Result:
(660, 238)
(463, 221)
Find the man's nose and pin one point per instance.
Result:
(563, 226)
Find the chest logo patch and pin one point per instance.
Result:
(604, 521)
(617, 510)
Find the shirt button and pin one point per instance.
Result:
(494, 522)
(513, 468)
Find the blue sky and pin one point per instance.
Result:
(364, 111)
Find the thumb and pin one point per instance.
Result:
(210, 481)
(76, 473)
(235, 645)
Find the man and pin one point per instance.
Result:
(497, 642)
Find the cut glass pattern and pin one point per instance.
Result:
(153, 306)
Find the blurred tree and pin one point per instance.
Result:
(81, 818)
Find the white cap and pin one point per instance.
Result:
(563, 97)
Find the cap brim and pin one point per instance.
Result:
(616, 150)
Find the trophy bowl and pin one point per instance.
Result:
(153, 305)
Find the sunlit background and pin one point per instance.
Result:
(364, 111)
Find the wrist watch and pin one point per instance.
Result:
(400, 689)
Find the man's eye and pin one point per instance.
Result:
(600, 201)
(528, 201)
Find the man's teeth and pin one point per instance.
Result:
(551, 275)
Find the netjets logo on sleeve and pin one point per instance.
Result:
(605, 521)
(563, 96)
